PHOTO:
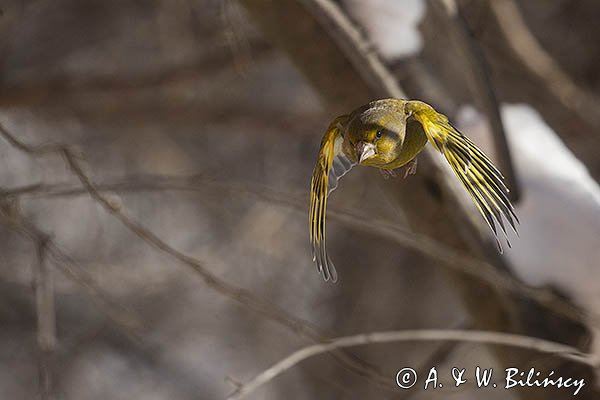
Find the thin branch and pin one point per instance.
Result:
(48, 148)
(439, 356)
(149, 237)
(358, 50)
(236, 41)
(483, 89)
(125, 319)
(46, 320)
(426, 245)
(541, 65)
(242, 296)
(238, 294)
(445, 255)
(445, 349)
(415, 76)
(483, 337)
(64, 87)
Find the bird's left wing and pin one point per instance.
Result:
(482, 180)
(331, 165)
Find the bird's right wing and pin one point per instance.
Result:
(331, 165)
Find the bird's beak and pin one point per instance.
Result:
(364, 151)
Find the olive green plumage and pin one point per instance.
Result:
(388, 134)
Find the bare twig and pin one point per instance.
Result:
(358, 50)
(416, 77)
(130, 324)
(541, 65)
(483, 90)
(236, 41)
(33, 93)
(440, 355)
(239, 295)
(427, 246)
(491, 338)
(149, 237)
(48, 148)
(46, 319)
(125, 319)
(445, 349)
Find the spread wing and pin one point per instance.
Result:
(331, 165)
(478, 175)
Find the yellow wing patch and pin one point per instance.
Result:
(319, 190)
(478, 175)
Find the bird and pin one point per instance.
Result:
(389, 134)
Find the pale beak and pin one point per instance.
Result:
(365, 151)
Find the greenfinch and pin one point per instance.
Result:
(389, 134)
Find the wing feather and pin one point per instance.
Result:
(331, 166)
(341, 166)
(478, 175)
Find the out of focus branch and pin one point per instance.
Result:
(236, 41)
(46, 319)
(567, 353)
(239, 295)
(425, 245)
(540, 64)
(126, 320)
(359, 51)
(416, 77)
(62, 88)
(433, 206)
(482, 87)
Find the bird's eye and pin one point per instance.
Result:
(379, 133)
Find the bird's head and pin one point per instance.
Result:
(375, 135)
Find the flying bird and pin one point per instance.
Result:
(389, 134)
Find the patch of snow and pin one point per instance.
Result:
(559, 240)
(395, 33)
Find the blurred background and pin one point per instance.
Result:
(157, 246)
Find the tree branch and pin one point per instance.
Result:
(46, 319)
(64, 88)
(434, 205)
(540, 64)
(567, 353)
(125, 319)
(482, 87)
(239, 295)
(403, 236)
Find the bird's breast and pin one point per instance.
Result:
(414, 142)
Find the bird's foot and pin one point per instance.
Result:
(388, 173)
(411, 168)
